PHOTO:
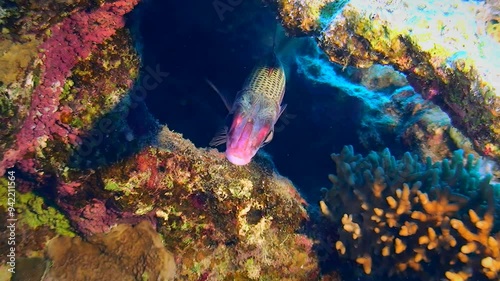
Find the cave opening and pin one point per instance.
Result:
(194, 42)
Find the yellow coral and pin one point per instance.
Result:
(15, 58)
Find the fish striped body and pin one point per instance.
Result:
(255, 111)
(269, 81)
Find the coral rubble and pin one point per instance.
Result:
(402, 216)
(445, 56)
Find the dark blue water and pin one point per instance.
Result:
(197, 43)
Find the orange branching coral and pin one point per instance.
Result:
(397, 216)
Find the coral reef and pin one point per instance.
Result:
(76, 132)
(401, 216)
(306, 17)
(124, 253)
(15, 58)
(70, 41)
(445, 59)
(220, 221)
(21, 17)
(84, 142)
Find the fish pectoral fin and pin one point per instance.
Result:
(268, 138)
(282, 109)
(227, 101)
(219, 138)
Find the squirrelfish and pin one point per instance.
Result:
(254, 112)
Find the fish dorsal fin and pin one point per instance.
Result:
(272, 59)
(274, 36)
(225, 99)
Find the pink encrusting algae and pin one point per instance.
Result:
(72, 40)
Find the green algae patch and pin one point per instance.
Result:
(33, 211)
(115, 187)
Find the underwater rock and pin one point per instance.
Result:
(29, 269)
(387, 111)
(220, 221)
(19, 17)
(445, 56)
(432, 220)
(124, 253)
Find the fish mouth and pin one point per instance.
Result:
(236, 160)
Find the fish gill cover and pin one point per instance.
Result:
(86, 99)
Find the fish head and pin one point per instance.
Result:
(249, 131)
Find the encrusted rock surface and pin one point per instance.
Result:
(440, 46)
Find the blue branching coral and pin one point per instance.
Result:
(399, 216)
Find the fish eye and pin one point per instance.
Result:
(268, 138)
